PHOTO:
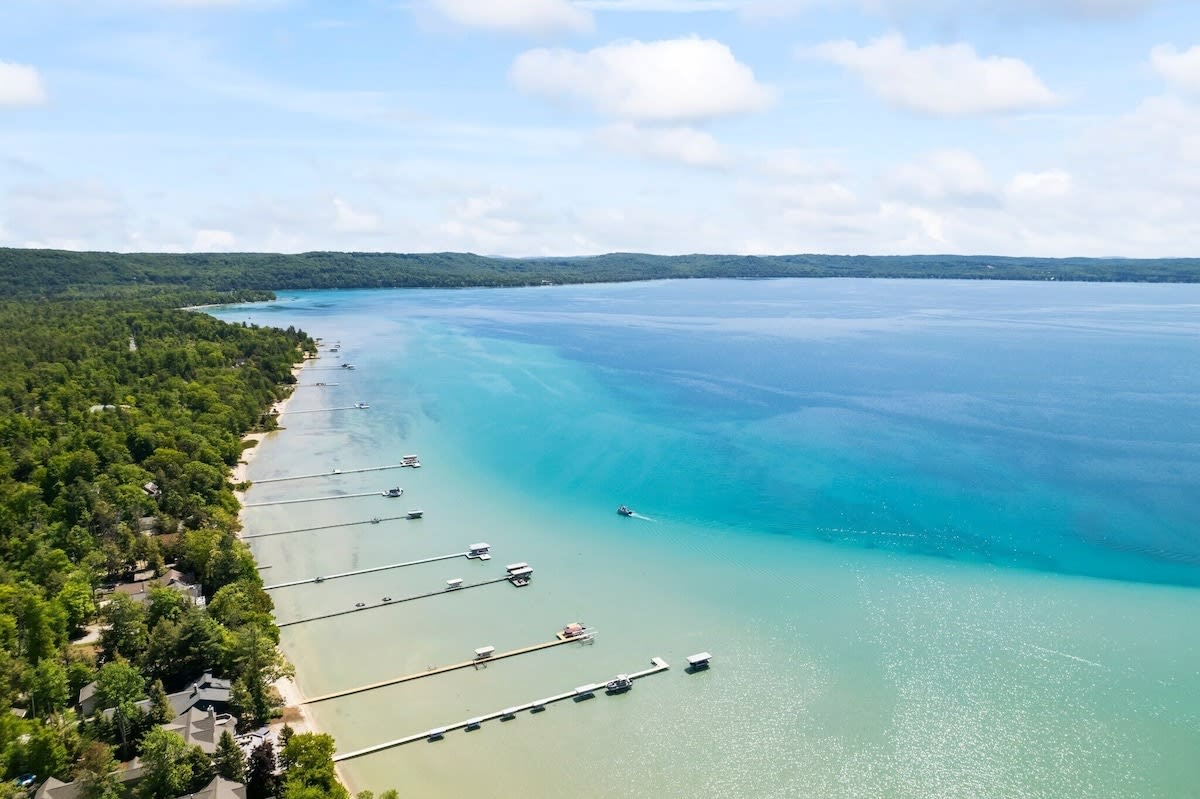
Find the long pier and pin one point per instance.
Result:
(333, 473)
(391, 602)
(321, 410)
(659, 665)
(376, 520)
(475, 662)
(325, 577)
(314, 499)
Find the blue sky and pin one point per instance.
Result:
(563, 127)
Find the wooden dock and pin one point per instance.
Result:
(369, 570)
(314, 499)
(392, 602)
(466, 664)
(659, 665)
(333, 473)
(376, 520)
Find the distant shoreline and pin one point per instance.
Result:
(44, 273)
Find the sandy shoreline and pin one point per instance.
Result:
(294, 712)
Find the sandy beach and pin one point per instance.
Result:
(294, 713)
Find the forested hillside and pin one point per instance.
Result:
(119, 421)
(57, 272)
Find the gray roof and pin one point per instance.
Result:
(201, 728)
(57, 789)
(206, 692)
(219, 788)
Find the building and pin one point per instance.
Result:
(139, 589)
(202, 728)
(219, 788)
(206, 693)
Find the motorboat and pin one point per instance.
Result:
(618, 684)
(625, 510)
(394, 492)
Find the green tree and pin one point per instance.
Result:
(120, 686)
(390, 793)
(126, 634)
(49, 691)
(118, 682)
(311, 759)
(258, 663)
(160, 706)
(170, 765)
(95, 773)
(228, 760)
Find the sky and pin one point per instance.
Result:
(574, 127)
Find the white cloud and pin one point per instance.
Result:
(531, 17)
(20, 84)
(1052, 183)
(943, 80)
(207, 240)
(675, 80)
(953, 9)
(1182, 68)
(348, 220)
(682, 144)
(955, 175)
(662, 6)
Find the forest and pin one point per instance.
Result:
(52, 273)
(120, 418)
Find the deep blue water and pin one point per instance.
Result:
(1036, 425)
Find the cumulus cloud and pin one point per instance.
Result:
(20, 84)
(942, 80)
(941, 175)
(531, 17)
(674, 80)
(681, 144)
(1182, 68)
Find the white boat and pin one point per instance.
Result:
(394, 492)
(625, 511)
(415, 514)
(362, 405)
(618, 684)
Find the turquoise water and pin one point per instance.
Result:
(939, 535)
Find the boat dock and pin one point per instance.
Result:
(389, 602)
(333, 473)
(321, 410)
(376, 520)
(473, 662)
(325, 577)
(312, 499)
(659, 665)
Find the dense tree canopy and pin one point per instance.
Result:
(120, 418)
(58, 272)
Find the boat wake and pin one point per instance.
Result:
(636, 515)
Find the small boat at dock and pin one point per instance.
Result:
(393, 492)
(415, 514)
(618, 684)
(362, 406)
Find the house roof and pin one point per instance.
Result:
(57, 789)
(206, 691)
(202, 728)
(219, 788)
